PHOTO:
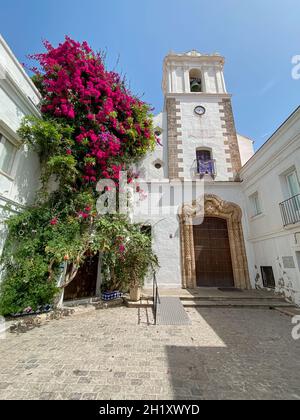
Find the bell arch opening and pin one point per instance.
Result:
(195, 80)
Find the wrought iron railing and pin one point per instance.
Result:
(206, 167)
(290, 210)
(156, 298)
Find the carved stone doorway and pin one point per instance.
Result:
(213, 207)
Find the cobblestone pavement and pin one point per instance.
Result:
(115, 354)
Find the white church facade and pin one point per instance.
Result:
(250, 235)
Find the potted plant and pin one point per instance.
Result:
(139, 261)
(135, 292)
(127, 256)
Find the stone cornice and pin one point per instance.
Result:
(198, 95)
(8, 83)
(10, 202)
(19, 66)
(10, 133)
(284, 231)
(170, 59)
(225, 184)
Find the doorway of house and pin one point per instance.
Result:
(212, 254)
(85, 283)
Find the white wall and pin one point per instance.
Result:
(246, 147)
(265, 174)
(146, 167)
(15, 70)
(19, 187)
(203, 131)
(177, 67)
(166, 232)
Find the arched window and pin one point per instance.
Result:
(195, 80)
(205, 162)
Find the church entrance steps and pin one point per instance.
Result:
(213, 293)
(227, 303)
(292, 311)
(249, 303)
(215, 298)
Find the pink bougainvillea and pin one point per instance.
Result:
(111, 126)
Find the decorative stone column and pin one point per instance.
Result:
(175, 148)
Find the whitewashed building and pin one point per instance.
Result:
(272, 192)
(250, 235)
(248, 239)
(200, 143)
(19, 168)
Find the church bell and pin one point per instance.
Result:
(196, 86)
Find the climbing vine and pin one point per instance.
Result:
(91, 128)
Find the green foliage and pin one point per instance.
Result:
(51, 140)
(26, 285)
(78, 141)
(24, 263)
(47, 136)
(64, 168)
(127, 253)
(46, 235)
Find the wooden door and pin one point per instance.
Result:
(85, 282)
(212, 254)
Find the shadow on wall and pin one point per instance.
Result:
(27, 177)
(257, 360)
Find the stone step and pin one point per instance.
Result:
(82, 302)
(290, 311)
(225, 303)
(249, 303)
(223, 298)
(144, 303)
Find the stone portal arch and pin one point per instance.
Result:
(213, 206)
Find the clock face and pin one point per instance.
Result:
(200, 110)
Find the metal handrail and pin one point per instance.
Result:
(156, 298)
(290, 210)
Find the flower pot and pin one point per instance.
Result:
(135, 293)
(107, 296)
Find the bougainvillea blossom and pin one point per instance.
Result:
(111, 126)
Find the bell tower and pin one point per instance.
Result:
(202, 139)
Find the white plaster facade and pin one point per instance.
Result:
(246, 147)
(263, 176)
(204, 132)
(207, 132)
(176, 70)
(268, 243)
(266, 174)
(18, 97)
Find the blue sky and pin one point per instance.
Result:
(257, 37)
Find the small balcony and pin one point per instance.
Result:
(290, 210)
(206, 168)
